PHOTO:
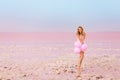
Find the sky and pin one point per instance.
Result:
(59, 15)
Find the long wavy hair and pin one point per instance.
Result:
(82, 32)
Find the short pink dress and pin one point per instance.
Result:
(78, 46)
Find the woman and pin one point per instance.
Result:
(80, 46)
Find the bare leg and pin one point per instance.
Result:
(80, 62)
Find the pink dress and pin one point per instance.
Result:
(78, 46)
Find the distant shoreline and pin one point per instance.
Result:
(56, 36)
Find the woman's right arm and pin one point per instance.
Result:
(79, 38)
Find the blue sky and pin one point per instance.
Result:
(62, 15)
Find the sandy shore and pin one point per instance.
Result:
(63, 68)
(26, 63)
(96, 68)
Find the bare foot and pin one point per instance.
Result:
(79, 77)
(79, 72)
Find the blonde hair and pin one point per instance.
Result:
(79, 32)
